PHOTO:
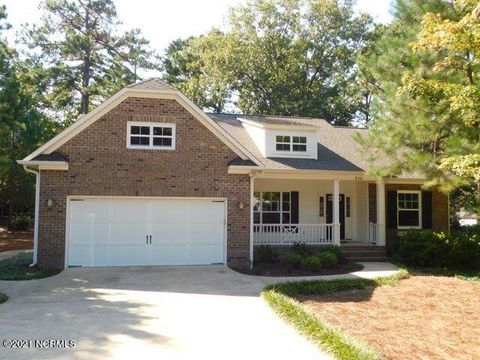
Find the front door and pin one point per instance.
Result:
(342, 213)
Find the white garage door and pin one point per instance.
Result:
(135, 232)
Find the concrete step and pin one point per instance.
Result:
(365, 252)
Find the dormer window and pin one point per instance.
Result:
(157, 136)
(291, 143)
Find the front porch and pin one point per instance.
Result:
(316, 212)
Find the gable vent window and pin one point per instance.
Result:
(150, 136)
(291, 143)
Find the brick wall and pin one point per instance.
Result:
(101, 165)
(440, 218)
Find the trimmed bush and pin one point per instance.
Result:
(313, 263)
(328, 259)
(265, 254)
(432, 249)
(20, 222)
(302, 249)
(335, 250)
(292, 261)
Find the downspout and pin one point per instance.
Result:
(37, 213)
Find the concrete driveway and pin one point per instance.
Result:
(197, 312)
(201, 312)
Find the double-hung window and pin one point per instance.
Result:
(291, 143)
(409, 209)
(272, 207)
(159, 136)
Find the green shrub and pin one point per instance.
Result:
(3, 298)
(313, 263)
(302, 249)
(265, 254)
(328, 259)
(432, 249)
(468, 230)
(20, 222)
(292, 261)
(335, 250)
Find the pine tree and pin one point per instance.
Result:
(85, 57)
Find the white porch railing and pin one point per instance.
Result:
(372, 233)
(276, 234)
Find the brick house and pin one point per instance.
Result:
(147, 178)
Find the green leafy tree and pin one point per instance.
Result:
(22, 128)
(191, 66)
(423, 71)
(85, 58)
(294, 57)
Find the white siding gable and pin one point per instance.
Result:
(257, 134)
(270, 143)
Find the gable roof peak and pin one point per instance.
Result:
(151, 84)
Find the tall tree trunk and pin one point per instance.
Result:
(85, 104)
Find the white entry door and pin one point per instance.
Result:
(135, 232)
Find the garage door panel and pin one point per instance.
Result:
(205, 254)
(130, 255)
(112, 232)
(169, 254)
(169, 233)
(89, 211)
(89, 233)
(206, 211)
(168, 211)
(80, 256)
(206, 234)
(128, 210)
(128, 233)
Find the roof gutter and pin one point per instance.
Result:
(37, 212)
(291, 173)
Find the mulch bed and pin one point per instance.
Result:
(21, 240)
(278, 269)
(423, 317)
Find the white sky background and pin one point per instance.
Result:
(162, 21)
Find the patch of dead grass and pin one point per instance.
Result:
(21, 240)
(423, 317)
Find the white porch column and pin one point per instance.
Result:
(380, 213)
(252, 204)
(336, 212)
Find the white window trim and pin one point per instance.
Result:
(151, 125)
(419, 193)
(281, 211)
(290, 144)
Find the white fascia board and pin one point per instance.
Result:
(45, 165)
(125, 93)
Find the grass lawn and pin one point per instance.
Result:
(17, 268)
(419, 317)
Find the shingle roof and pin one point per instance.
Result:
(337, 150)
(151, 84)
(54, 156)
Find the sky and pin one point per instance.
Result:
(162, 21)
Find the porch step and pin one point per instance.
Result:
(365, 252)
